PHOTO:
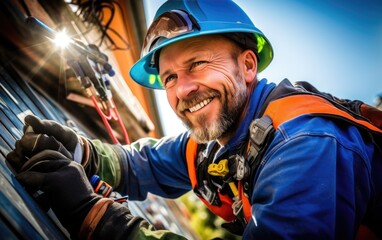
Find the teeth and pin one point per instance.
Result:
(200, 105)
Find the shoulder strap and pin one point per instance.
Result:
(191, 151)
(299, 102)
(284, 109)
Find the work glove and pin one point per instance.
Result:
(64, 183)
(81, 211)
(46, 134)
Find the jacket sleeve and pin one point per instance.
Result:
(147, 165)
(311, 185)
(119, 223)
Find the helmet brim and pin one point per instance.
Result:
(147, 75)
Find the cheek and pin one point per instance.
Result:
(224, 73)
(171, 98)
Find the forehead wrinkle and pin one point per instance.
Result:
(185, 63)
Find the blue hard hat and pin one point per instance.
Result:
(176, 20)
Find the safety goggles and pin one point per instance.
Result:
(168, 25)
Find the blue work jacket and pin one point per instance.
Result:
(317, 180)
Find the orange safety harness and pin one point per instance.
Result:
(224, 209)
(235, 207)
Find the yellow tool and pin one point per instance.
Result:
(221, 169)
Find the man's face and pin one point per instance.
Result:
(205, 85)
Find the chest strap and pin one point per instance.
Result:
(222, 204)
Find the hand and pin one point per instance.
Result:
(64, 183)
(46, 134)
(65, 135)
(75, 204)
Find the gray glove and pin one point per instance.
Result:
(46, 134)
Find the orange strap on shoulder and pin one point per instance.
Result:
(191, 148)
(284, 109)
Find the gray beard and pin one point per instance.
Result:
(229, 116)
(211, 131)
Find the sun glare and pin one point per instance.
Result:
(62, 40)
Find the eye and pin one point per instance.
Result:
(196, 64)
(167, 81)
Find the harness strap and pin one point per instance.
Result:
(260, 129)
(191, 158)
(225, 208)
(284, 109)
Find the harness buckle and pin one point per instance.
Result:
(237, 207)
(259, 130)
(240, 168)
(208, 195)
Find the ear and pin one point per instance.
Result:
(250, 65)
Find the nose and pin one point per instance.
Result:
(185, 86)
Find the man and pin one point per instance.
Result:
(316, 179)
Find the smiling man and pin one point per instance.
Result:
(275, 162)
(208, 81)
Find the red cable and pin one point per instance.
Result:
(110, 116)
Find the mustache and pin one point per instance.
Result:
(195, 98)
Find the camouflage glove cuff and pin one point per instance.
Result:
(107, 162)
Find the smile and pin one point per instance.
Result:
(200, 105)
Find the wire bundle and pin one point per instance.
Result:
(93, 12)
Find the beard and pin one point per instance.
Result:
(228, 116)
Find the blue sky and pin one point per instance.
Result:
(335, 45)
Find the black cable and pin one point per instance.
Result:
(92, 12)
